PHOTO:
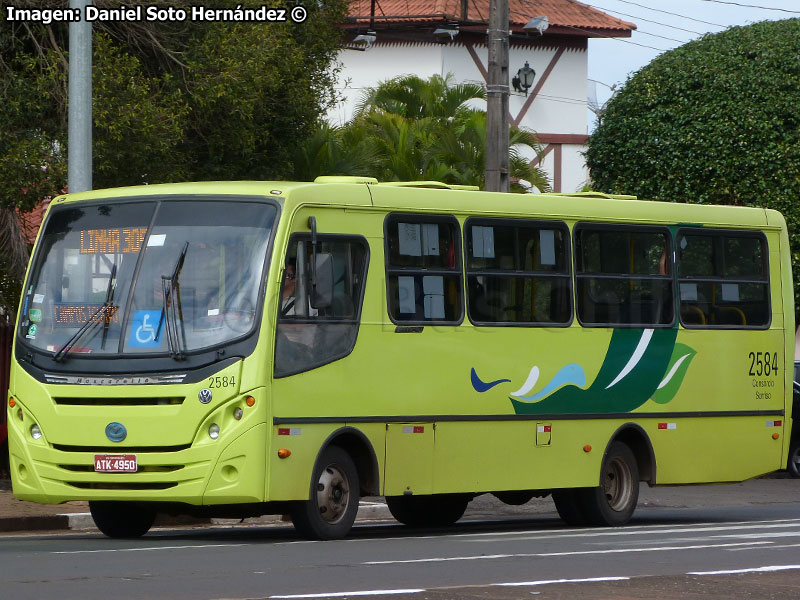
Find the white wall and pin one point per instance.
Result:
(559, 107)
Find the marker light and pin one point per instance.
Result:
(587, 448)
(36, 432)
(213, 431)
(775, 436)
(284, 453)
(250, 401)
(237, 413)
(12, 403)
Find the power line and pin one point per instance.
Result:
(794, 12)
(646, 20)
(611, 37)
(666, 12)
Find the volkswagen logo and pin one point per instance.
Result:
(116, 432)
(205, 395)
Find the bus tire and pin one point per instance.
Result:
(793, 464)
(438, 510)
(331, 509)
(569, 504)
(122, 519)
(612, 503)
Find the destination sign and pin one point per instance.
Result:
(75, 315)
(112, 241)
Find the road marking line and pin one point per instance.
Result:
(525, 536)
(771, 547)
(148, 549)
(752, 570)
(549, 581)
(343, 594)
(550, 554)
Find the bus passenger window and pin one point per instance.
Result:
(423, 269)
(723, 278)
(309, 337)
(517, 272)
(623, 275)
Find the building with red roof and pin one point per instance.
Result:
(429, 37)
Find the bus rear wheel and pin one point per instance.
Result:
(331, 509)
(612, 503)
(439, 510)
(122, 519)
(793, 464)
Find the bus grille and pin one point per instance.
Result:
(108, 485)
(170, 401)
(120, 449)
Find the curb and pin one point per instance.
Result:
(367, 511)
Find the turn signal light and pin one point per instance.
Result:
(587, 448)
(12, 403)
(284, 453)
(250, 401)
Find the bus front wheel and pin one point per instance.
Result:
(331, 509)
(612, 503)
(122, 519)
(428, 511)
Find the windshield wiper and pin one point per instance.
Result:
(171, 309)
(104, 310)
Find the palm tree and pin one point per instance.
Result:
(414, 129)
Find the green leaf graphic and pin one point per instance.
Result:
(682, 354)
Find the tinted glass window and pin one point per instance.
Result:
(423, 269)
(723, 279)
(518, 272)
(623, 275)
(310, 335)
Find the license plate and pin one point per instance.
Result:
(115, 463)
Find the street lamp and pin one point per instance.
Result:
(524, 79)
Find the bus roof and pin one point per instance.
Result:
(436, 197)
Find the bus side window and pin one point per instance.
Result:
(723, 278)
(307, 337)
(423, 269)
(623, 275)
(517, 272)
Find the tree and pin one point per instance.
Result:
(414, 129)
(714, 121)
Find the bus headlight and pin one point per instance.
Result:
(213, 431)
(36, 432)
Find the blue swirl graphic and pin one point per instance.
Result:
(480, 386)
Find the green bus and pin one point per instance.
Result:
(246, 348)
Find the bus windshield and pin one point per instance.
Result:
(146, 277)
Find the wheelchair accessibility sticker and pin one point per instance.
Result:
(144, 326)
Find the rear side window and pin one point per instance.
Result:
(623, 275)
(518, 272)
(723, 277)
(423, 269)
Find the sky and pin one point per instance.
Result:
(666, 24)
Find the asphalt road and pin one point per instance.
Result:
(746, 550)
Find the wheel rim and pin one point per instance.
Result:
(333, 494)
(617, 484)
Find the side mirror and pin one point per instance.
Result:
(322, 284)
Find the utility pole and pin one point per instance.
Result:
(79, 129)
(497, 163)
